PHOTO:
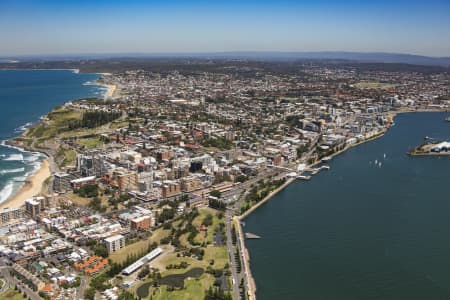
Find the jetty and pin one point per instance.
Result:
(251, 236)
(315, 171)
(304, 177)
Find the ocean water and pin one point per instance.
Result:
(26, 95)
(361, 231)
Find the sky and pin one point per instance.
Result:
(43, 27)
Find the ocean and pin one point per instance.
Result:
(361, 230)
(25, 96)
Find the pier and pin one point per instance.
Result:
(251, 236)
(304, 177)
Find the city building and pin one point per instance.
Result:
(114, 243)
(35, 205)
(144, 222)
(61, 182)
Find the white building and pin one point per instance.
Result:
(114, 243)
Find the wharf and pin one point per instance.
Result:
(251, 236)
(304, 177)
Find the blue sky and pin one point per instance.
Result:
(90, 26)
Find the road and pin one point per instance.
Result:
(13, 281)
(233, 265)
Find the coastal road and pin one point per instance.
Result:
(233, 265)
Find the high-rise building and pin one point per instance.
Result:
(114, 243)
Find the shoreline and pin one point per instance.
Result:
(237, 219)
(32, 187)
(25, 69)
(244, 251)
(35, 181)
(110, 92)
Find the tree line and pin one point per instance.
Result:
(92, 119)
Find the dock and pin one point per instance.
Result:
(304, 177)
(251, 236)
(315, 171)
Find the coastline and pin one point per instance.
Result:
(76, 71)
(35, 181)
(110, 92)
(251, 283)
(32, 187)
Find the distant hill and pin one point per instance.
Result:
(377, 57)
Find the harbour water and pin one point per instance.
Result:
(361, 230)
(26, 95)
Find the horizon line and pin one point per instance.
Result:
(231, 52)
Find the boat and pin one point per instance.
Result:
(326, 159)
(304, 177)
(447, 119)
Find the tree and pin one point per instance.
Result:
(88, 191)
(241, 178)
(101, 250)
(217, 204)
(95, 204)
(89, 293)
(208, 220)
(144, 271)
(215, 193)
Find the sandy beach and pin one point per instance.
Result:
(31, 188)
(111, 90)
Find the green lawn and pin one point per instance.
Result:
(65, 157)
(135, 248)
(193, 288)
(90, 142)
(11, 294)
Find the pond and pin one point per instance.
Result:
(174, 280)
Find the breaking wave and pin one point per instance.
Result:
(8, 171)
(14, 157)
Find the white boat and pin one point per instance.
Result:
(326, 159)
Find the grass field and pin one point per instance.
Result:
(65, 157)
(135, 248)
(57, 120)
(80, 201)
(11, 294)
(193, 288)
(90, 143)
